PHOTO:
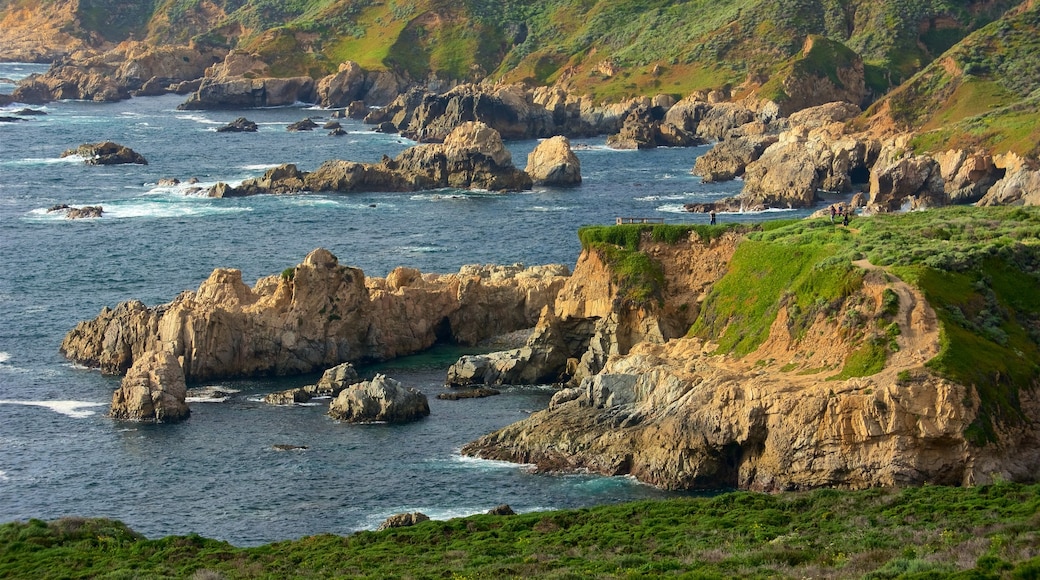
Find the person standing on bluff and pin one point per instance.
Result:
(832, 213)
(712, 217)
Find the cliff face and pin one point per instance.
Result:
(678, 414)
(314, 316)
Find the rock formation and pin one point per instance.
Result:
(106, 153)
(674, 414)
(152, 390)
(245, 93)
(403, 520)
(728, 159)
(331, 383)
(381, 400)
(899, 180)
(72, 213)
(1020, 187)
(314, 316)
(472, 157)
(128, 69)
(553, 162)
(239, 125)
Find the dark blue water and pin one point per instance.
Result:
(217, 473)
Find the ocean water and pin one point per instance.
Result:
(218, 473)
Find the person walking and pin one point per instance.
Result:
(712, 217)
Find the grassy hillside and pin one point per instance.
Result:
(978, 268)
(607, 48)
(984, 92)
(930, 532)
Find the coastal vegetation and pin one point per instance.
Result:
(988, 531)
(976, 267)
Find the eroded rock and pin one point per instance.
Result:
(381, 400)
(152, 390)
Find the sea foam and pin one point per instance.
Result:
(74, 409)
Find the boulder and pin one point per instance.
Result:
(357, 110)
(502, 510)
(380, 400)
(106, 153)
(1020, 187)
(967, 176)
(403, 521)
(332, 125)
(823, 115)
(338, 132)
(900, 181)
(248, 93)
(342, 88)
(639, 131)
(728, 159)
(152, 390)
(302, 125)
(553, 162)
(783, 176)
(333, 381)
(287, 397)
(469, 393)
(239, 125)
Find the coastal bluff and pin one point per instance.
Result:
(772, 400)
(314, 316)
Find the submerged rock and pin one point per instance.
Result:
(106, 153)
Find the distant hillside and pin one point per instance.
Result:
(608, 49)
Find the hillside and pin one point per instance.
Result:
(930, 532)
(984, 92)
(604, 48)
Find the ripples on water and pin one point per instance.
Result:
(218, 473)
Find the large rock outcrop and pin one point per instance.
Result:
(472, 157)
(381, 400)
(901, 180)
(152, 390)
(246, 93)
(331, 383)
(674, 414)
(314, 316)
(1020, 187)
(553, 162)
(728, 159)
(128, 69)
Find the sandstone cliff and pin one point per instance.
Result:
(680, 411)
(313, 317)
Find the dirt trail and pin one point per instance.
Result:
(919, 330)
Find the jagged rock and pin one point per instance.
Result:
(639, 131)
(337, 132)
(168, 182)
(334, 380)
(152, 390)
(89, 211)
(387, 127)
(118, 73)
(968, 176)
(239, 125)
(238, 64)
(720, 119)
(302, 125)
(343, 87)
(357, 110)
(314, 316)
(502, 510)
(380, 400)
(728, 159)
(823, 115)
(332, 125)
(913, 180)
(288, 397)
(403, 521)
(288, 447)
(106, 153)
(26, 112)
(784, 175)
(248, 93)
(553, 162)
(1020, 187)
(470, 393)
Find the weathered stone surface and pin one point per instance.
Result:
(342, 88)
(88, 211)
(1020, 187)
(287, 397)
(968, 176)
(315, 316)
(403, 521)
(728, 159)
(129, 68)
(152, 390)
(643, 128)
(331, 383)
(302, 125)
(377, 401)
(472, 157)
(672, 414)
(247, 93)
(239, 125)
(553, 162)
(106, 153)
(471, 393)
(823, 115)
(899, 179)
(502, 510)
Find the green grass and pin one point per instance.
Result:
(978, 267)
(880, 533)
